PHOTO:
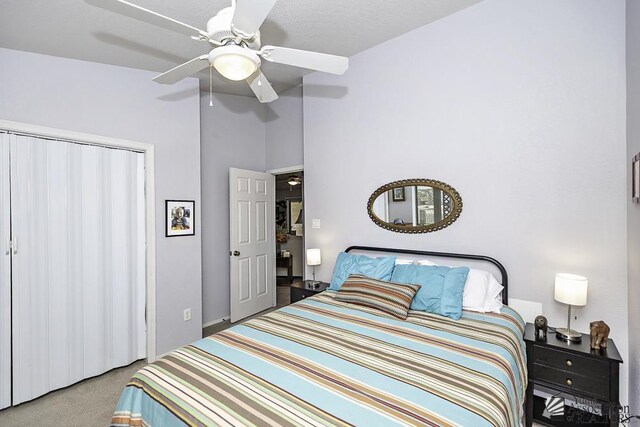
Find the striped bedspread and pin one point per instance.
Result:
(322, 362)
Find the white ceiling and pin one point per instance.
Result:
(75, 29)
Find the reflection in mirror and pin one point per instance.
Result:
(421, 205)
(415, 206)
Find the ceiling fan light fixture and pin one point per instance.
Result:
(234, 62)
(294, 180)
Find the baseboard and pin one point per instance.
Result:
(215, 322)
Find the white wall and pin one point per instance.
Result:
(233, 135)
(124, 103)
(284, 130)
(633, 212)
(518, 105)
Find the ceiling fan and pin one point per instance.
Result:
(234, 35)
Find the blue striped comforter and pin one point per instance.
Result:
(324, 362)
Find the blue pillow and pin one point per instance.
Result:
(375, 268)
(441, 288)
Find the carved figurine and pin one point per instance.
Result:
(599, 334)
(541, 328)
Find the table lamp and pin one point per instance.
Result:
(570, 289)
(314, 258)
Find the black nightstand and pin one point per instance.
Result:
(573, 369)
(302, 290)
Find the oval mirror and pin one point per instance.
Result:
(414, 206)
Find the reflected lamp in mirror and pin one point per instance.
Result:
(570, 289)
(414, 206)
(314, 257)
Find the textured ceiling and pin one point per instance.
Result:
(76, 29)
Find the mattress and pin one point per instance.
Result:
(322, 362)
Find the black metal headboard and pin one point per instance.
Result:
(504, 282)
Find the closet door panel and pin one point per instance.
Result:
(75, 266)
(139, 258)
(95, 314)
(127, 231)
(60, 312)
(30, 279)
(5, 276)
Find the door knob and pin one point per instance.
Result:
(236, 253)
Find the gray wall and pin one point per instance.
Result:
(232, 135)
(242, 133)
(284, 130)
(633, 212)
(518, 105)
(124, 103)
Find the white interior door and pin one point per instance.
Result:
(252, 242)
(78, 271)
(5, 276)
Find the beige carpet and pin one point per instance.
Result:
(88, 403)
(91, 402)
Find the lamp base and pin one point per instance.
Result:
(568, 335)
(313, 284)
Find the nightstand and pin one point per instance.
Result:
(573, 369)
(302, 290)
(286, 262)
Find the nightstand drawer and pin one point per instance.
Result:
(302, 290)
(298, 294)
(591, 385)
(570, 362)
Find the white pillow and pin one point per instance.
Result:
(496, 304)
(403, 261)
(426, 262)
(480, 292)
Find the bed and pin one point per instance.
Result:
(324, 362)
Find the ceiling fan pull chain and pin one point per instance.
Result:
(210, 85)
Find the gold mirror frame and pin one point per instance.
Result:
(447, 221)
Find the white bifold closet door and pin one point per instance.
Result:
(78, 263)
(5, 276)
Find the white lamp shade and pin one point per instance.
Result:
(571, 289)
(314, 257)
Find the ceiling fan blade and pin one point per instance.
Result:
(262, 88)
(182, 71)
(249, 15)
(301, 58)
(145, 15)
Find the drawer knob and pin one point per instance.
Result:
(569, 382)
(569, 362)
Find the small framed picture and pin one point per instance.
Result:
(180, 218)
(635, 176)
(398, 194)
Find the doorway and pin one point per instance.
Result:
(290, 229)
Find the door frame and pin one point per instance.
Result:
(149, 193)
(282, 171)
